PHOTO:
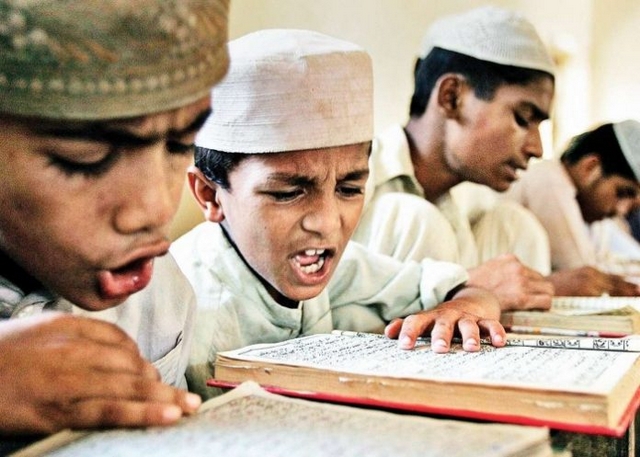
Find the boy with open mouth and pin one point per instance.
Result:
(100, 102)
(280, 170)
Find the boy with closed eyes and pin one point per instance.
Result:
(99, 107)
(484, 82)
(280, 170)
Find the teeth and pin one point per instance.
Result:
(314, 252)
(313, 267)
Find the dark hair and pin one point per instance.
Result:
(603, 142)
(216, 165)
(484, 77)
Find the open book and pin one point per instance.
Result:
(579, 316)
(537, 382)
(251, 422)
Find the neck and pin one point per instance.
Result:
(273, 292)
(427, 147)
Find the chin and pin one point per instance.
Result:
(94, 303)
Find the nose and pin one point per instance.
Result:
(533, 144)
(323, 217)
(150, 191)
(624, 206)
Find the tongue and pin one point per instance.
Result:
(305, 260)
(127, 280)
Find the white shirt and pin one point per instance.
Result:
(547, 190)
(234, 308)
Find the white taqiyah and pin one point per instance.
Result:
(492, 34)
(290, 90)
(628, 136)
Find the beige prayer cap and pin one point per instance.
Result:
(103, 59)
(628, 136)
(290, 90)
(492, 34)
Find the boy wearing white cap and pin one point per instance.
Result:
(100, 103)
(483, 85)
(280, 175)
(595, 178)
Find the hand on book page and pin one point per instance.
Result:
(248, 422)
(59, 370)
(472, 312)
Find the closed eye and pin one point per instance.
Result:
(176, 147)
(350, 190)
(285, 196)
(521, 121)
(87, 169)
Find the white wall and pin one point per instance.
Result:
(615, 56)
(595, 41)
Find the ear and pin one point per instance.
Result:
(591, 168)
(449, 94)
(206, 194)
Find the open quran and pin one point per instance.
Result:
(248, 421)
(581, 385)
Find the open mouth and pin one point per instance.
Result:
(311, 261)
(126, 280)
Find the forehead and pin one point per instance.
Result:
(311, 162)
(537, 94)
(186, 119)
(622, 181)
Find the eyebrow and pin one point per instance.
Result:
(299, 180)
(103, 132)
(537, 113)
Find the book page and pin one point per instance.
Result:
(575, 306)
(567, 370)
(250, 422)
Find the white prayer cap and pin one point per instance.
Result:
(492, 34)
(290, 90)
(628, 136)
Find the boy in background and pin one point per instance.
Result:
(483, 84)
(280, 171)
(595, 178)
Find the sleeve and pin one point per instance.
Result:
(392, 288)
(553, 201)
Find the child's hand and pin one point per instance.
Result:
(59, 371)
(471, 312)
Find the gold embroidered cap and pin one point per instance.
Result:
(291, 90)
(103, 59)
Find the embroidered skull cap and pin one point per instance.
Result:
(103, 59)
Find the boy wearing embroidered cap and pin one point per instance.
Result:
(483, 84)
(100, 103)
(595, 178)
(280, 174)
